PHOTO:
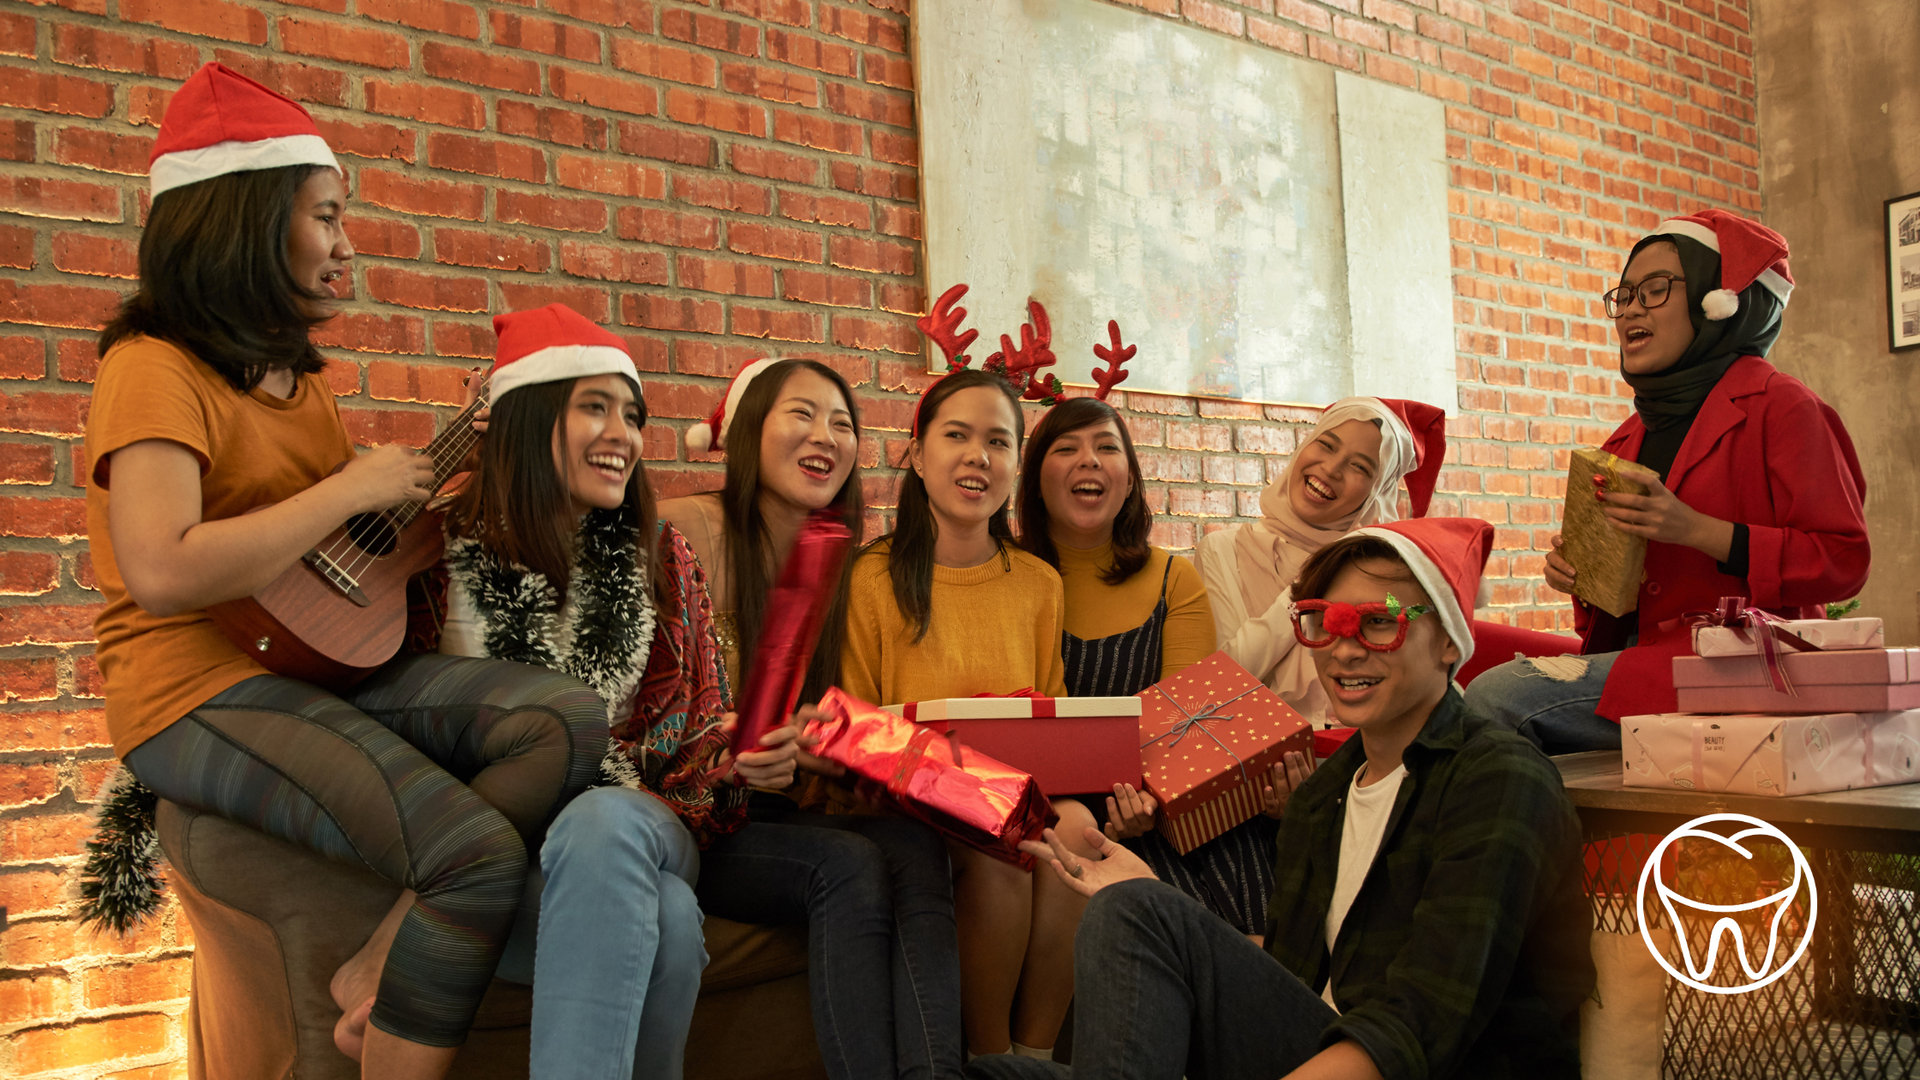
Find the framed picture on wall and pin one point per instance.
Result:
(1903, 272)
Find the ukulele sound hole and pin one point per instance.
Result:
(374, 533)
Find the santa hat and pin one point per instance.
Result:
(552, 343)
(1447, 557)
(220, 122)
(711, 433)
(1428, 426)
(1748, 250)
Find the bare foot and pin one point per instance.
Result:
(350, 1034)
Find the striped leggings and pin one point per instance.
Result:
(436, 774)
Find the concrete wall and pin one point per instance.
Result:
(1840, 134)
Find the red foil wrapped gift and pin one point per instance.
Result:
(1208, 736)
(968, 796)
(796, 610)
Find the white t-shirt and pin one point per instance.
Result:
(1367, 811)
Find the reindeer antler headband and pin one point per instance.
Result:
(1019, 365)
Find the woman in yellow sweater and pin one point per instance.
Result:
(947, 606)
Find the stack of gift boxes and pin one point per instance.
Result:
(1823, 706)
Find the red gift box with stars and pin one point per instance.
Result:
(1208, 737)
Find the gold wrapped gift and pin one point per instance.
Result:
(1608, 563)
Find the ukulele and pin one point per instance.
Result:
(341, 611)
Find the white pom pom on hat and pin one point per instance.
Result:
(1749, 252)
(711, 433)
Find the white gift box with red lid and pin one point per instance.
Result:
(1071, 745)
(1849, 633)
(1771, 755)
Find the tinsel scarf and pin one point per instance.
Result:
(601, 638)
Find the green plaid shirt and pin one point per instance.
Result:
(1466, 951)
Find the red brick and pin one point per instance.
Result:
(488, 157)
(774, 164)
(903, 299)
(432, 198)
(894, 336)
(725, 276)
(460, 247)
(894, 71)
(774, 242)
(16, 140)
(373, 333)
(690, 357)
(18, 35)
(652, 226)
(610, 177)
(89, 1041)
(382, 236)
(479, 68)
(649, 354)
(721, 194)
(665, 144)
(373, 141)
(880, 106)
(511, 31)
(431, 292)
(21, 784)
(451, 338)
(779, 325)
(604, 262)
(550, 212)
(857, 253)
(57, 305)
(433, 384)
(436, 16)
(28, 573)
(801, 50)
(628, 14)
(164, 979)
(602, 91)
(20, 358)
(16, 247)
(659, 61)
(825, 209)
(27, 516)
(92, 47)
(224, 19)
(569, 127)
(772, 84)
(900, 221)
(656, 312)
(710, 32)
(100, 256)
(898, 149)
(678, 400)
(367, 427)
(804, 129)
(588, 300)
(344, 42)
(42, 837)
(441, 105)
(26, 88)
(862, 28)
(721, 114)
(302, 82)
(77, 360)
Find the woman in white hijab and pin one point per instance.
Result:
(1345, 475)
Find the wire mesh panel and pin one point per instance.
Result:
(1849, 1006)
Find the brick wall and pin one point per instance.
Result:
(717, 182)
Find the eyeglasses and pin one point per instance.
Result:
(1379, 627)
(1651, 292)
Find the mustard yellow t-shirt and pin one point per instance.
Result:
(1096, 609)
(995, 629)
(253, 449)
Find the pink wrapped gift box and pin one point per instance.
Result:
(1848, 680)
(1851, 633)
(1072, 746)
(1771, 755)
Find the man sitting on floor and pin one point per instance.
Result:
(1428, 918)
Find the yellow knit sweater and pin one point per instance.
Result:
(995, 629)
(1096, 609)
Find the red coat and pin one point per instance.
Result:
(1766, 453)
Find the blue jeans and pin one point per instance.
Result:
(876, 896)
(620, 951)
(1167, 989)
(1556, 714)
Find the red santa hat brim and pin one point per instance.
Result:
(711, 433)
(1749, 253)
(220, 122)
(1447, 557)
(553, 343)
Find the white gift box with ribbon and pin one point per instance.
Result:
(1771, 755)
(1851, 633)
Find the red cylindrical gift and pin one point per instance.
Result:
(796, 611)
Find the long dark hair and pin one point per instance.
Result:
(1130, 527)
(750, 546)
(215, 278)
(910, 558)
(518, 509)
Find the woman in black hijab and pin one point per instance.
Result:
(1760, 492)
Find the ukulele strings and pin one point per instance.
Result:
(446, 450)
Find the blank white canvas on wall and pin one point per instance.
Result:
(1261, 229)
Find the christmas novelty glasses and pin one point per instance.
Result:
(1380, 627)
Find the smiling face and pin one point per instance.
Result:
(1084, 481)
(808, 444)
(596, 445)
(1382, 689)
(1334, 474)
(317, 247)
(1652, 341)
(967, 456)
